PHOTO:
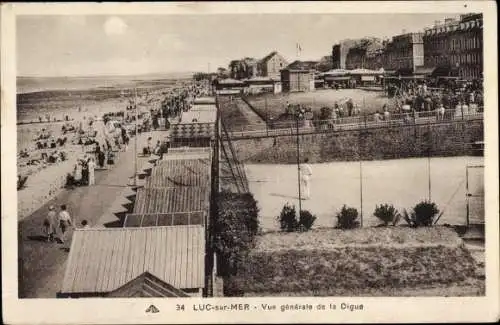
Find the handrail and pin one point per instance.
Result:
(358, 123)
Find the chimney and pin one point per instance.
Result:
(403, 31)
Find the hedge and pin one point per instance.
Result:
(296, 270)
(235, 229)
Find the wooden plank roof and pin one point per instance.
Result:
(147, 285)
(180, 172)
(102, 260)
(188, 153)
(172, 199)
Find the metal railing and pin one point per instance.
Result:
(359, 122)
(235, 166)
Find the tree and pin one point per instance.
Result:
(222, 72)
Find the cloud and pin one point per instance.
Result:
(115, 26)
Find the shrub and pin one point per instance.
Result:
(387, 214)
(288, 218)
(346, 218)
(423, 214)
(306, 220)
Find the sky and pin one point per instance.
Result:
(79, 45)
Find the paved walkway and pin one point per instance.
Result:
(44, 263)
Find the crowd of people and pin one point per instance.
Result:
(83, 172)
(432, 96)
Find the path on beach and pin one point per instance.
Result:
(43, 262)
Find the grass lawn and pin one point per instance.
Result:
(393, 261)
(273, 105)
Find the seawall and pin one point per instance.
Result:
(438, 140)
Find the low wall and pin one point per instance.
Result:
(42, 186)
(438, 140)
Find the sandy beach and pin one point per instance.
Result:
(45, 180)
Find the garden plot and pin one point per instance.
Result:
(402, 182)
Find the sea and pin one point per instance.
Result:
(56, 96)
(39, 98)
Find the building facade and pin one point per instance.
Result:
(366, 54)
(294, 80)
(456, 46)
(271, 65)
(404, 52)
(339, 53)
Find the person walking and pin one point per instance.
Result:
(91, 166)
(305, 173)
(64, 222)
(49, 224)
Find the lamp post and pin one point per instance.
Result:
(299, 114)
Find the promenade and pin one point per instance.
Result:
(44, 262)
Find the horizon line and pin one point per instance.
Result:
(103, 75)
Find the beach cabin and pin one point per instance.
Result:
(196, 127)
(136, 262)
(259, 85)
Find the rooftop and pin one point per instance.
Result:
(180, 172)
(172, 199)
(103, 260)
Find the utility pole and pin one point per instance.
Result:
(136, 135)
(429, 157)
(298, 115)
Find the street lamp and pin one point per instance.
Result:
(299, 114)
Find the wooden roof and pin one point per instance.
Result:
(147, 285)
(180, 172)
(172, 199)
(188, 153)
(204, 101)
(165, 219)
(102, 260)
(199, 114)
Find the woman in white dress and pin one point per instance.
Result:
(78, 173)
(91, 166)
